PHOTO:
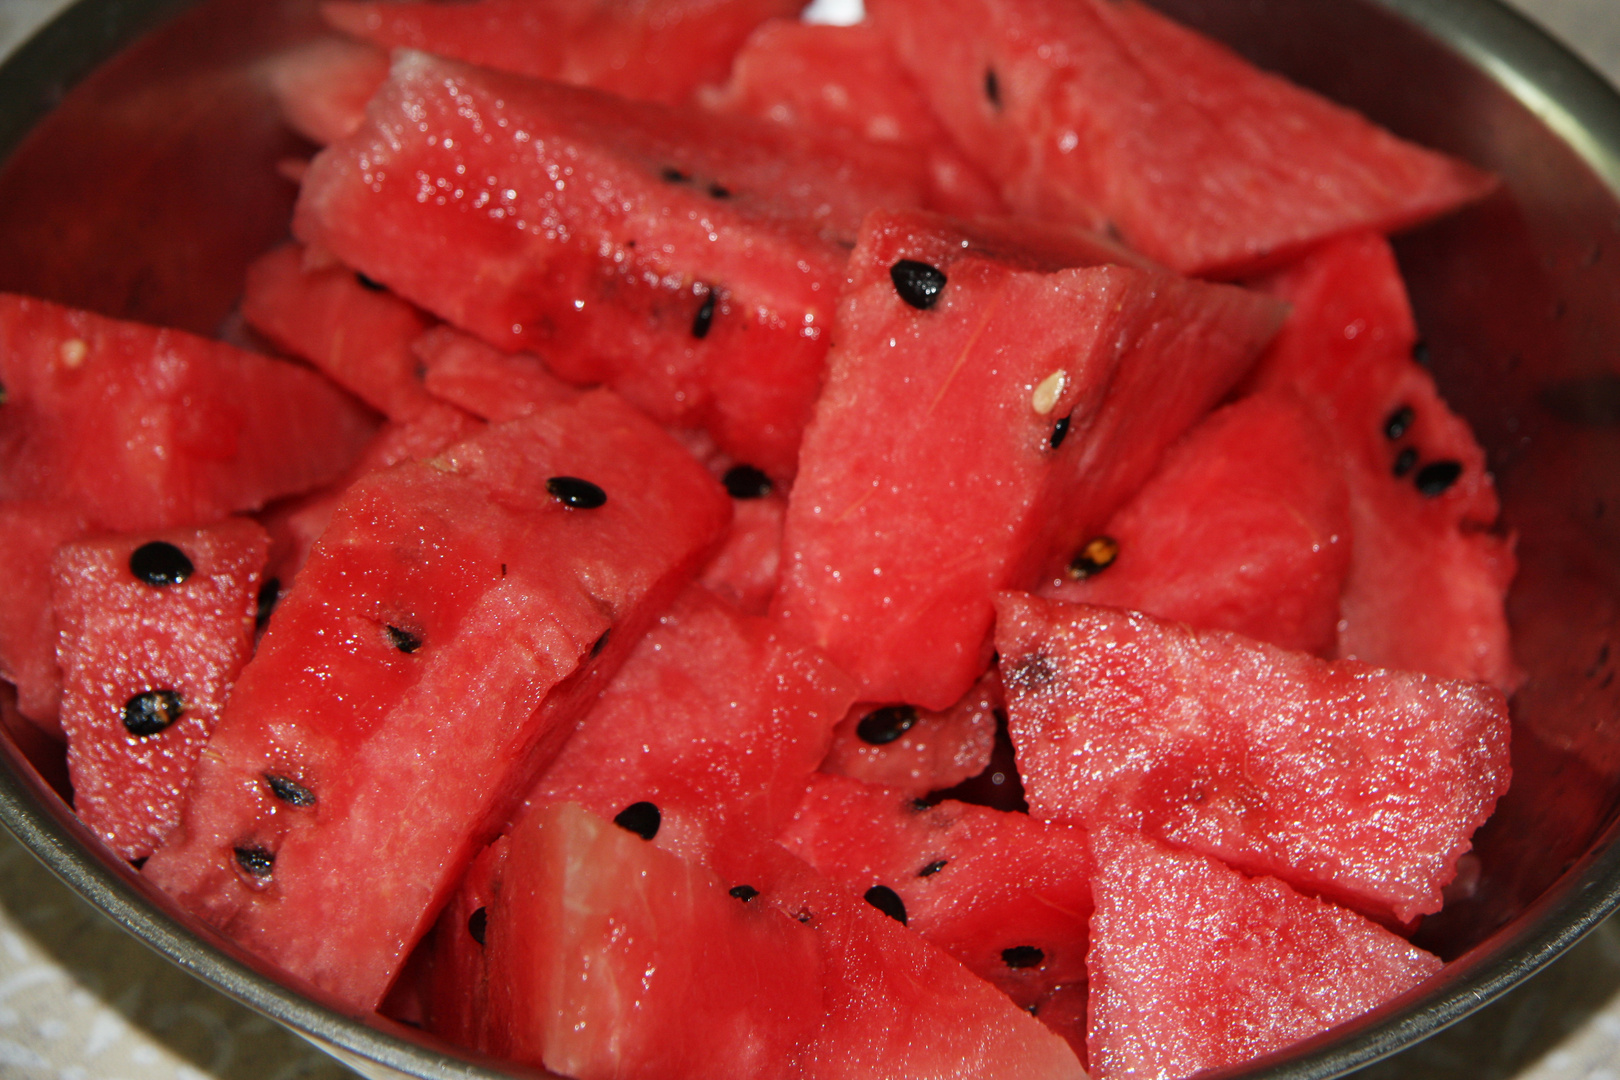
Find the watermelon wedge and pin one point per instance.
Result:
(449, 629)
(1347, 781)
(1107, 114)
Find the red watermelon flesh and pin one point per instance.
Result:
(30, 533)
(146, 429)
(146, 667)
(662, 50)
(358, 335)
(1106, 112)
(745, 569)
(1245, 527)
(434, 654)
(1005, 894)
(1195, 966)
(917, 751)
(486, 382)
(893, 1004)
(609, 958)
(688, 260)
(717, 719)
(969, 446)
(1428, 573)
(846, 80)
(1346, 781)
(322, 86)
(458, 994)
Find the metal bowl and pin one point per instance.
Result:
(144, 190)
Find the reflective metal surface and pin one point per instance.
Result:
(145, 191)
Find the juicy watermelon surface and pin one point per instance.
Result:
(30, 533)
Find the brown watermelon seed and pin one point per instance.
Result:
(369, 283)
(600, 643)
(744, 893)
(160, 563)
(1098, 555)
(289, 791)
(932, 868)
(152, 712)
(641, 818)
(1404, 461)
(1437, 476)
(269, 593)
(256, 861)
(1399, 423)
(887, 901)
(574, 493)
(1023, 956)
(670, 174)
(917, 283)
(705, 315)
(883, 726)
(404, 640)
(747, 482)
(1060, 431)
(992, 87)
(478, 924)
(1420, 352)
(719, 191)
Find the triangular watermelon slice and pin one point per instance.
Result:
(1347, 781)
(1106, 113)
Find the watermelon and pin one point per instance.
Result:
(322, 86)
(712, 726)
(846, 80)
(661, 51)
(1245, 527)
(1346, 781)
(153, 630)
(30, 533)
(141, 429)
(458, 993)
(914, 750)
(484, 381)
(745, 569)
(1106, 114)
(1429, 569)
(608, 958)
(969, 437)
(449, 629)
(344, 325)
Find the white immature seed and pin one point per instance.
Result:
(1048, 392)
(73, 352)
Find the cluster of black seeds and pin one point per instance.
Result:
(1433, 478)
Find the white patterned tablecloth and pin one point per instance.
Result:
(81, 1000)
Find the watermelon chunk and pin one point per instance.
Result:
(322, 86)
(968, 441)
(914, 750)
(1429, 569)
(746, 568)
(143, 429)
(486, 382)
(1106, 113)
(1245, 527)
(1344, 780)
(609, 958)
(662, 50)
(153, 630)
(30, 533)
(1194, 966)
(443, 639)
(687, 260)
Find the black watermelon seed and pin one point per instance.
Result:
(1022, 956)
(992, 87)
(747, 482)
(257, 861)
(887, 901)
(1435, 477)
(917, 283)
(160, 563)
(368, 283)
(600, 643)
(704, 317)
(922, 805)
(932, 868)
(674, 176)
(641, 818)
(151, 712)
(1098, 555)
(719, 191)
(574, 493)
(1033, 1008)
(404, 640)
(1405, 461)
(289, 791)
(882, 726)
(804, 916)
(1399, 422)
(1420, 352)
(1060, 431)
(744, 893)
(478, 924)
(269, 593)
